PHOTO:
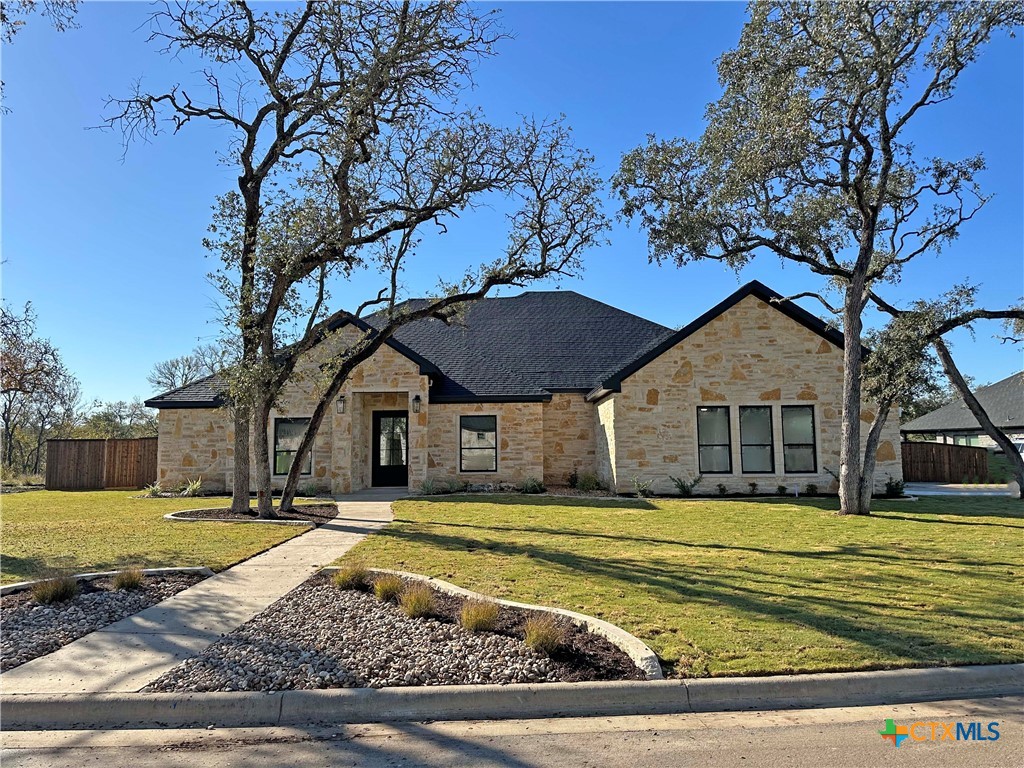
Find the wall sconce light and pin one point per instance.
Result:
(416, 403)
(341, 404)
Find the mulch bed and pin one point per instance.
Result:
(318, 514)
(31, 630)
(319, 636)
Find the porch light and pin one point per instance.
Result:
(416, 403)
(341, 404)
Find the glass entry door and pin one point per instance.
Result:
(390, 466)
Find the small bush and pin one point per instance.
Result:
(722, 490)
(417, 600)
(588, 483)
(456, 486)
(893, 488)
(429, 488)
(685, 487)
(642, 488)
(753, 487)
(129, 578)
(573, 478)
(532, 485)
(55, 590)
(782, 490)
(543, 634)
(352, 576)
(387, 587)
(192, 487)
(152, 491)
(479, 615)
(811, 489)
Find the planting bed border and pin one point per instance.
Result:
(176, 516)
(644, 658)
(21, 586)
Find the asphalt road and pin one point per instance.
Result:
(836, 738)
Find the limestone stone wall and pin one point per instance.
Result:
(192, 443)
(604, 439)
(520, 442)
(752, 354)
(569, 437)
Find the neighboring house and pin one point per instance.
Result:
(954, 423)
(545, 383)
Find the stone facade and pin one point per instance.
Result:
(751, 354)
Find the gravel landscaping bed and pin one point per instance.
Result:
(317, 514)
(30, 630)
(319, 636)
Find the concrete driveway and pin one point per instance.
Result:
(960, 489)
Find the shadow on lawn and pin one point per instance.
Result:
(759, 593)
(530, 500)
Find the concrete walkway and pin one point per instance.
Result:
(959, 489)
(127, 655)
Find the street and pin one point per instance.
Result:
(838, 738)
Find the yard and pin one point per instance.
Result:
(46, 531)
(727, 587)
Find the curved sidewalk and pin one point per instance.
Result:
(129, 654)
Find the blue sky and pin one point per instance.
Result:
(109, 249)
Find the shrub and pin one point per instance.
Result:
(129, 578)
(417, 600)
(642, 488)
(722, 490)
(479, 615)
(782, 490)
(685, 487)
(811, 489)
(152, 491)
(573, 478)
(588, 483)
(387, 587)
(352, 576)
(893, 488)
(532, 485)
(192, 487)
(55, 590)
(456, 486)
(753, 487)
(543, 634)
(428, 488)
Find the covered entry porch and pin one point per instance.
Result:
(386, 436)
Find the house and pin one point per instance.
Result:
(548, 382)
(954, 423)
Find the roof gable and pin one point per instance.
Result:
(613, 381)
(1002, 401)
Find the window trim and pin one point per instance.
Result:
(728, 426)
(813, 446)
(275, 451)
(771, 439)
(458, 424)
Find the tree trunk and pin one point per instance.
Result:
(240, 474)
(958, 382)
(867, 481)
(261, 455)
(305, 446)
(851, 474)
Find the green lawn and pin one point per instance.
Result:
(46, 531)
(742, 587)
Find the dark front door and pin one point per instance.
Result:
(390, 449)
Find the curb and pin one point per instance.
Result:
(23, 585)
(175, 517)
(479, 702)
(644, 658)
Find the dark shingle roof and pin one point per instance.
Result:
(1002, 401)
(205, 393)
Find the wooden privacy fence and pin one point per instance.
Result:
(89, 465)
(941, 463)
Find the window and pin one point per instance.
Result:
(714, 449)
(287, 436)
(756, 452)
(478, 443)
(798, 438)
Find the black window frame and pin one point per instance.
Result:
(273, 463)
(463, 449)
(812, 445)
(728, 445)
(770, 444)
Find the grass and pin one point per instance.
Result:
(416, 600)
(543, 634)
(479, 615)
(44, 532)
(741, 587)
(352, 575)
(55, 590)
(387, 587)
(129, 578)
